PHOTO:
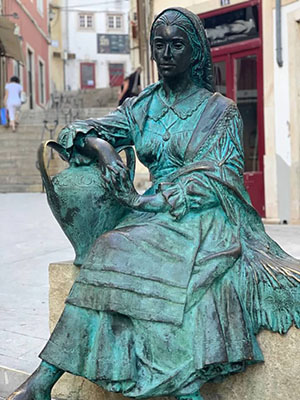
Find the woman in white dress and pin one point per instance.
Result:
(12, 99)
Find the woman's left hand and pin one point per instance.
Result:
(118, 183)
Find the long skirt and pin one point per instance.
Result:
(161, 307)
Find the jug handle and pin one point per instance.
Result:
(130, 159)
(42, 160)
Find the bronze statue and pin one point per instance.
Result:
(174, 295)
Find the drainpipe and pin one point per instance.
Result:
(147, 30)
(66, 45)
(278, 34)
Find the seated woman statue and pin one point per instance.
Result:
(175, 294)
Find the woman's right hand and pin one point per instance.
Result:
(119, 184)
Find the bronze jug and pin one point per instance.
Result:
(77, 195)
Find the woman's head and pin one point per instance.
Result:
(15, 79)
(190, 26)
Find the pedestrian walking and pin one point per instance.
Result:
(131, 85)
(12, 100)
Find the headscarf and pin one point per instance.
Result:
(202, 71)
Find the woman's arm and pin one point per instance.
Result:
(124, 89)
(116, 128)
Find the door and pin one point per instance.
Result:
(238, 76)
(116, 74)
(87, 76)
(30, 77)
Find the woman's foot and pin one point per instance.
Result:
(29, 391)
(38, 386)
(13, 126)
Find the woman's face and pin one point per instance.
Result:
(172, 51)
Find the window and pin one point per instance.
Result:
(114, 22)
(16, 67)
(42, 82)
(40, 6)
(86, 21)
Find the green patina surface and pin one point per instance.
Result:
(176, 283)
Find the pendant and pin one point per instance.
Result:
(166, 136)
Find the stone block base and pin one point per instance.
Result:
(276, 379)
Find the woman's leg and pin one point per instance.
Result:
(38, 386)
(17, 115)
(194, 396)
(11, 114)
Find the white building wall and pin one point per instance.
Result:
(282, 116)
(83, 43)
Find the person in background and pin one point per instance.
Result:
(12, 99)
(131, 85)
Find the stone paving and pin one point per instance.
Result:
(30, 239)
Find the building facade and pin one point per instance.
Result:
(31, 26)
(255, 51)
(93, 45)
(57, 62)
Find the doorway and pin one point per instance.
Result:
(87, 75)
(116, 74)
(237, 76)
(30, 77)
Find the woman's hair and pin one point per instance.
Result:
(201, 64)
(15, 79)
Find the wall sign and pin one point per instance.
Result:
(107, 43)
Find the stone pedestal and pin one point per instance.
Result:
(276, 379)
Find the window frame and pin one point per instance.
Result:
(115, 18)
(86, 15)
(40, 7)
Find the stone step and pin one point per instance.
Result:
(25, 165)
(26, 132)
(20, 188)
(37, 117)
(29, 144)
(21, 172)
(20, 179)
(18, 166)
(18, 150)
(21, 130)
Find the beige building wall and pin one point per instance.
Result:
(281, 109)
(56, 49)
(293, 23)
(270, 175)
